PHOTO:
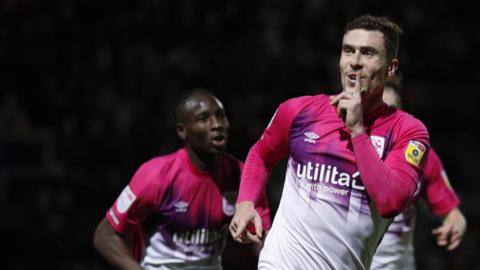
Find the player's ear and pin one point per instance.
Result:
(392, 68)
(181, 131)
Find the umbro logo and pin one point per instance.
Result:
(311, 137)
(181, 207)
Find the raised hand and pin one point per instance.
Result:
(349, 107)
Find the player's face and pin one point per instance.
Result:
(206, 125)
(364, 51)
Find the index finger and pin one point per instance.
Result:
(357, 89)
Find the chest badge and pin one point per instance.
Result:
(228, 203)
(379, 144)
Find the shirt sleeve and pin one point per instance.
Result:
(262, 207)
(136, 201)
(263, 210)
(392, 184)
(272, 147)
(439, 194)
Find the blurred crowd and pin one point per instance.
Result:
(87, 92)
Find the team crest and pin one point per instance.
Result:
(414, 152)
(379, 144)
(228, 203)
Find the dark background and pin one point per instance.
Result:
(87, 90)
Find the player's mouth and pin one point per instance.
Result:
(219, 140)
(351, 78)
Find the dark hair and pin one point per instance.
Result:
(182, 100)
(391, 31)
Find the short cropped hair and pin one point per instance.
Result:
(391, 31)
(183, 99)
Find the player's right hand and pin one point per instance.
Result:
(349, 106)
(246, 214)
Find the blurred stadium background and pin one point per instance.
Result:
(87, 89)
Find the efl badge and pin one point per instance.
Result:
(379, 144)
(125, 200)
(414, 152)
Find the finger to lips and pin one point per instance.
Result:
(357, 89)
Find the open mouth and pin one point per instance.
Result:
(351, 79)
(219, 140)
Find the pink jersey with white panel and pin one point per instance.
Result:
(326, 218)
(182, 213)
(396, 250)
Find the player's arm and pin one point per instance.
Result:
(263, 210)
(134, 204)
(391, 184)
(113, 247)
(272, 147)
(443, 201)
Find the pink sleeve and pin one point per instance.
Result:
(263, 210)
(391, 184)
(272, 147)
(136, 201)
(438, 192)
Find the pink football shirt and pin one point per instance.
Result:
(336, 188)
(178, 214)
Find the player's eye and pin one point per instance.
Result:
(202, 117)
(348, 50)
(368, 52)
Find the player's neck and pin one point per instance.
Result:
(372, 106)
(202, 161)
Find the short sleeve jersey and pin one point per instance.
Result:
(325, 218)
(181, 212)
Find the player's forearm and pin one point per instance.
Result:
(113, 248)
(389, 190)
(254, 177)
